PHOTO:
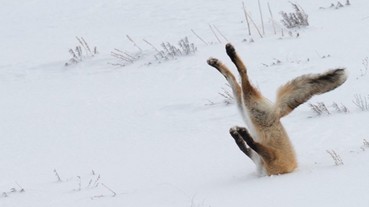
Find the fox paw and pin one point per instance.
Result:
(213, 62)
(230, 50)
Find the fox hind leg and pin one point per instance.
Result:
(248, 90)
(236, 89)
(265, 152)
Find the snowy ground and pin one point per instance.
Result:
(146, 134)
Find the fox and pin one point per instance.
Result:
(265, 141)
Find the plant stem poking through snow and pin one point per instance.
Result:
(134, 43)
(81, 52)
(320, 108)
(79, 183)
(365, 145)
(221, 34)
(336, 157)
(215, 34)
(295, 19)
(170, 51)
(21, 189)
(340, 109)
(246, 17)
(227, 95)
(96, 183)
(113, 193)
(261, 18)
(200, 38)
(272, 19)
(361, 102)
(57, 176)
(12, 191)
(102, 195)
(365, 63)
(124, 57)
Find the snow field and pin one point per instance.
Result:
(148, 130)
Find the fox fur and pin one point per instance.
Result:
(267, 142)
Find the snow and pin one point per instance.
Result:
(147, 134)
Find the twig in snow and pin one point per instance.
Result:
(89, 183)
(361, 102)
(86, 46)
(199, 37)
(336, 157)
(216, 36)
(22, 189)
(114, 193)
(227, 95)
(298, 18)
(271, 16)
(170, 51)
(79, 183)
(134, 43)
(80, 52)
(365, 63)
(57, 176)
(147, 42)
(216, 28)
(246, 17)
(261, 17)
(320, 108)
(12, 191)
(96, 183)
(102, 195)
(342, 109)
(256, 27)
(365, 145)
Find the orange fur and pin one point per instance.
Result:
(268, 144)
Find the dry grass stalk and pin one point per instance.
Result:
(336, 157)
(261, 18)
(298, 18)
(246, 17)
(361, 102)
(216, 36)
(199, 37)
(319, 108)
(134, 43)
(149, 43)
(272, 19)
(221, 34)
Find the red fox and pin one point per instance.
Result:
(266, 141)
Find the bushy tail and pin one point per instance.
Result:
(302, 88)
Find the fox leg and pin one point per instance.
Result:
(249, 92)
(240, 142)
(236, 89)
(266, 153)
(259, 108)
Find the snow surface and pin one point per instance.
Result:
(146, 134)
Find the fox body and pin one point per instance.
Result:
(266, 141)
